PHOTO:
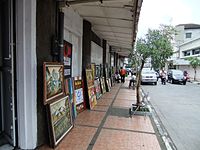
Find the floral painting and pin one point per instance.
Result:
(53, 81)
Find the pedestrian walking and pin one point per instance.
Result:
(122, 74)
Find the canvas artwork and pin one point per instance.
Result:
(93, 70)
(108, 84)
(97, 88)
(61, 121)
(92, 97)
(78, 91)
(78, 96)
(97, 70)
(89, 77)
(67, 72)
(67, 53)
(103, 86)
(53, 81)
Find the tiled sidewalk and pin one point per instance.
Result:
(109, 127)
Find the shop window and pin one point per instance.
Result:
(188, 35)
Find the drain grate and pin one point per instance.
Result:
(120, 112)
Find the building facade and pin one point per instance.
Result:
(187, 44)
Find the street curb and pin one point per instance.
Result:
(166, 139)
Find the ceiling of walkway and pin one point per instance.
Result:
(115, 21)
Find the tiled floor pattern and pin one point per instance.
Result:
(117, 133)
(136, 123)
(90, 118)
(125, 140)
(104, 102)
(72, 140)
(108, 95)
(101, 108)
(123, 103)
(126, 97)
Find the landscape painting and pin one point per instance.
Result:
(61, 120)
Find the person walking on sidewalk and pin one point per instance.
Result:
(122, 74)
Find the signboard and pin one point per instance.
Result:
(67, 60)
(78, 95)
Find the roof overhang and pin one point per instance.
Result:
(115, 21)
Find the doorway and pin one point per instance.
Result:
(7, 74)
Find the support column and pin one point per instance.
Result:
(26, 73)
(87, 37)
(104, 52)
(117, 59)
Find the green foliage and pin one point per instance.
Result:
(155, 45)
(194, 62)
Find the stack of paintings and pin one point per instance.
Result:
(59, 111)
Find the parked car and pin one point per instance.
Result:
(176, 76)
(148, 76)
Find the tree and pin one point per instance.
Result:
(194, 62)
(155, 45)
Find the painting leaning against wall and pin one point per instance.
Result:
(53, 81)
(60, 119)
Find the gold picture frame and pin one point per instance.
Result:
(60, 119)
(53, 81)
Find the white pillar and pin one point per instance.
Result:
(26, 73)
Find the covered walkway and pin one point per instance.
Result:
(109, 126)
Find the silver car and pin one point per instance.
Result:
(148, 76)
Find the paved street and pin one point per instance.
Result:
(178, 107)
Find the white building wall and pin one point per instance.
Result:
(96, 54)
(190, 70)
(179, 37)
(189, 46)
(195, 33)
(73, 31)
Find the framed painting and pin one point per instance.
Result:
(103, 86)
(97, 88)
(78, 91)
(93, 70)
(67, 60)
(89, 78)
(53, 81)
(67, 53)
(97, 70)
(78, 94)
(60, 119)
(92, 97)
(108, 84)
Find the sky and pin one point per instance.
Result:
(170, 12)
